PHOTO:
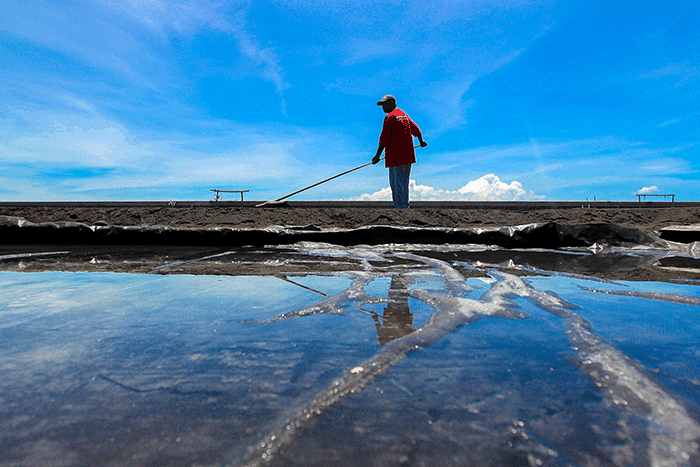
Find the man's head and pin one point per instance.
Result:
(388, 103)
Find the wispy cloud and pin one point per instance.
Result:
(446, 102)
(667, 165)
(187, 18)
(607, 152)
(362, 50)
(264, 60)
(133, 40)
(668, 123)
(99, 154)
(683, 71)
(88, 35)
(167, 16)
(73, 140)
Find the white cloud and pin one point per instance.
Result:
(648, 189)
(486, 188)
(382, 195)
(490, 187)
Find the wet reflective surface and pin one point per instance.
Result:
(318, 355)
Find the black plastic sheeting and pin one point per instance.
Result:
(680, 234)
(15, 230)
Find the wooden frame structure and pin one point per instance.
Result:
(639, 197)
(218, 193)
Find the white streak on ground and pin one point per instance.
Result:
(670, 430)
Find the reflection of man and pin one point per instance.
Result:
(396, 141)
(398, 319)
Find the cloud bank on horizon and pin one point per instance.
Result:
(537, 99)
(486, 188)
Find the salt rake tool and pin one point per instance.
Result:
(278, 201)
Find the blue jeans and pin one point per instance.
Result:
(398, 181)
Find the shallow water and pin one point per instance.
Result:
(405, 358)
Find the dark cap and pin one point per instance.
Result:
(387, 98)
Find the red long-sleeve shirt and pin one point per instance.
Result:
(397, 135)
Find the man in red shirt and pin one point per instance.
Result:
(396, 141)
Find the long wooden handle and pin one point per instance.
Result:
(326, 180)
(322, 181)
(331, 178)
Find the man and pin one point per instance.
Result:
(396, 141)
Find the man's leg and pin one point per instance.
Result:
(398, 180)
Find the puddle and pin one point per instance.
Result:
(348, 356)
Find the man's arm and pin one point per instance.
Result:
(415, 131)
(380, 149)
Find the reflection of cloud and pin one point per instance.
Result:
(648, 189)
(486, 188)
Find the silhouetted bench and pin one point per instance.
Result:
(639, 197)
(218, 193)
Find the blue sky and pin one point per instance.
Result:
(531, 99)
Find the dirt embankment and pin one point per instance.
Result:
(645, 218)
